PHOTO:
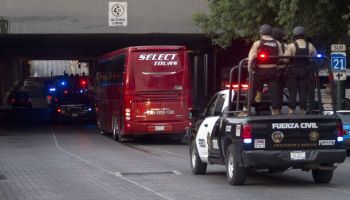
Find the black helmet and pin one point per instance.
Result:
(277, 33)
(265, 29)
(299, 31)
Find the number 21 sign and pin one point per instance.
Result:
(338, 61)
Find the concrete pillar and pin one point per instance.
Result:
(11, 71)
(2, 82)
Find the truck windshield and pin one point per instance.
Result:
(75, 98)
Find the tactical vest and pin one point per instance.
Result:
(270, 48)
(301, 62)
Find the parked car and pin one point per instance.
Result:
(21, 99)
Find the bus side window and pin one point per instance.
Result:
(116, 69)
(120, 68)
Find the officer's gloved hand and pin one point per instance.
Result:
(250, 68)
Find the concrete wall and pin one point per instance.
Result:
(91, 16)
(12, 71)
(47, 68)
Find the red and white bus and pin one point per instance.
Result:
(143, 90)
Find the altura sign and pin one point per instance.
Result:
(117, 13)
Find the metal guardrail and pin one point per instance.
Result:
(250, 81)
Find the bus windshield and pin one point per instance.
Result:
(158, 70)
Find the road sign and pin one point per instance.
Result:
(339, 76)
(117, 14)
(338, 61)
(338, 47)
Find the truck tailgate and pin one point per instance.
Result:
(295, 132)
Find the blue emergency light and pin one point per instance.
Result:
(52, 89)
(63, 83)
(247, 141)
(319, 55)
(340, 139)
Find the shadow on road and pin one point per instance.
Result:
(153, 140)
(24, 116)
(34, 117)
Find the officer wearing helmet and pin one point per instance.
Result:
(300, 69)
(266, 68)
(277, 33)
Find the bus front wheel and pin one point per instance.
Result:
(98, 122)
(117, 132)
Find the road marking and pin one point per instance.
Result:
(338, 190)
(106, 170)
(147, 173)
(165, 151)
(139, 149)
(346, 164)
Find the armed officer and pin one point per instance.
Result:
(266, 68)
(300, 69)
(277, 34)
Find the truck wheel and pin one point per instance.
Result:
(235, 175)
(197, 166)
(322, 176)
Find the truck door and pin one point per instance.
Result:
(212, 114)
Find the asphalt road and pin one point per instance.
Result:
(73, 161)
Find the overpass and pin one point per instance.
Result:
(81, 30)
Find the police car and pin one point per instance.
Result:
(71, 100)
(254, 141)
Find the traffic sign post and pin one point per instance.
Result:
(338, 65)
(338, 47)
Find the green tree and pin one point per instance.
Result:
(324, 20)
(347, 17)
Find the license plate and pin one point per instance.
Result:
(159, 128)
(297, 155)
(74, 115)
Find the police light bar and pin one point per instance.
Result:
(236, 86)
(83, 83)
